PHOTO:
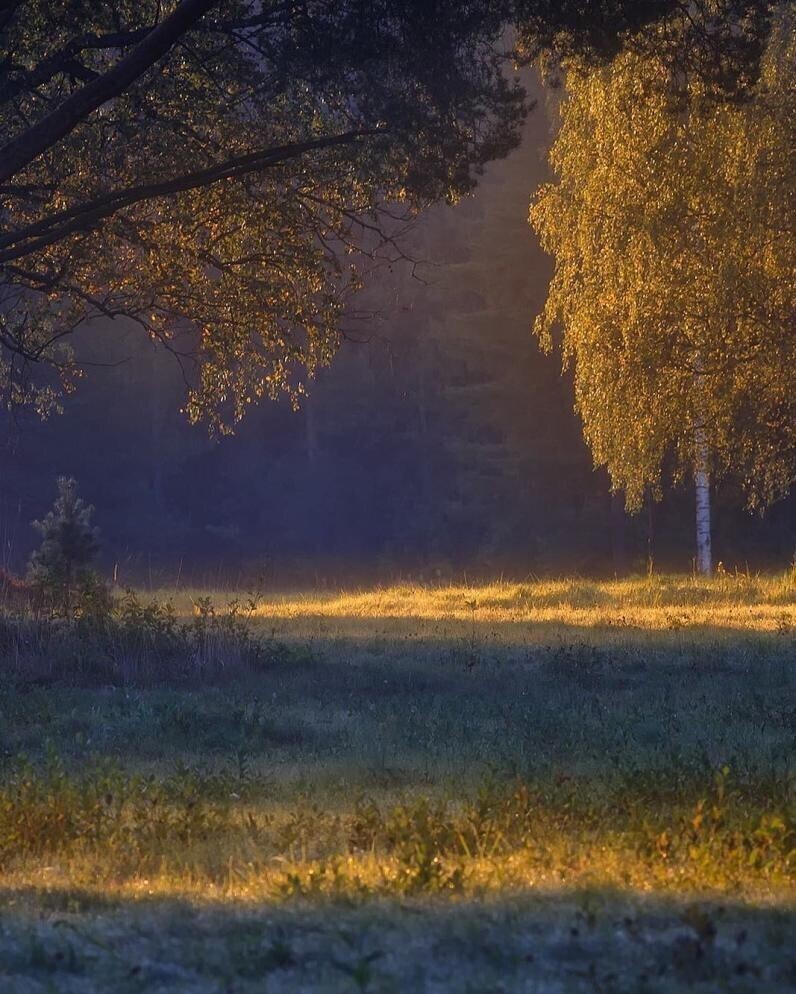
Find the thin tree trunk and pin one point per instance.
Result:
(704, 559)
(155, 433)
(704, 563)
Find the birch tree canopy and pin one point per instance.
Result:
(672, 231)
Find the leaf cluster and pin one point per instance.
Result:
(230, 197)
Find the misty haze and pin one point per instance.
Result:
(397, 509)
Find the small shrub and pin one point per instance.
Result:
(60, 569)
(135, 821)
(129, 641)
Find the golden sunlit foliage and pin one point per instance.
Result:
(228, 197)
(209, 169)
(672, 231)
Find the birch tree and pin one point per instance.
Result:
(672, 229)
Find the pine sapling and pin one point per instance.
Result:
(61, 567)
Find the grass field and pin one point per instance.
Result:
(539, 787)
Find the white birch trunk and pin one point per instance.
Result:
(704, 561)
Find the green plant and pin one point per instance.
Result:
(132, 641)
(220, 639)
(60, 569)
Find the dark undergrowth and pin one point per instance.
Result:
(128, 641)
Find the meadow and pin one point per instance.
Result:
(551, 786)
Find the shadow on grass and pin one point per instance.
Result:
(593, 940)
(460, 703)
(343, 706)
(674, 630)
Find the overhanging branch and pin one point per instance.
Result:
(84, 217)
(26, 147)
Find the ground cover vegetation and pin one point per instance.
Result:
(552, 785)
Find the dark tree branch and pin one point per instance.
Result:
(23, 149)
(65, 60)
(56, 227)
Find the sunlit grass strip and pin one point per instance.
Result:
(364, 878)
(190, 832)
(727, 601)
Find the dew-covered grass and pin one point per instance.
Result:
(549, 786)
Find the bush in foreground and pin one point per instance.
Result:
(130, 641)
